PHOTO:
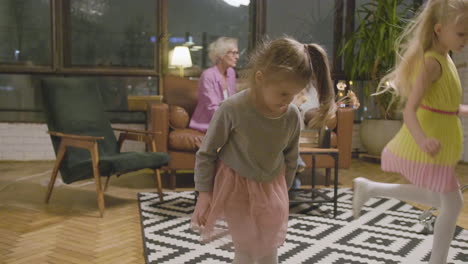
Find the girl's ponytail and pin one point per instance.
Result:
(323, 84)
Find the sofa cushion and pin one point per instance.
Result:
(185, 139)
(178, 117)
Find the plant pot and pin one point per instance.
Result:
(376, 133)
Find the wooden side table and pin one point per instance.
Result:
(317, 196)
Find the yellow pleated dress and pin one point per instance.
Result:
(438, 116)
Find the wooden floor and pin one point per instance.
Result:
(69, 229)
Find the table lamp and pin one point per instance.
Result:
(181, 59)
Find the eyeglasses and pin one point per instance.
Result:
(233, 52)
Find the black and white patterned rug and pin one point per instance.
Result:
(387, 232)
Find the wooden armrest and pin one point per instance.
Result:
(307, 150)
(135, 137)
(137, 131)
(69, 140)
(71, 136)
(142, 137)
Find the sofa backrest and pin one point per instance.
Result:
(181, 92)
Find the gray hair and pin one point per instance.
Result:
(220, 47)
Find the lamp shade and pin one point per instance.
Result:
(237, 3)
(181, 57)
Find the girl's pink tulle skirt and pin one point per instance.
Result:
(256, 213)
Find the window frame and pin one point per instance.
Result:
(59, 35)
(60, 50)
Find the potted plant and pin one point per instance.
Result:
(368, 55)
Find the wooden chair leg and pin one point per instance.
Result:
(107, 183)
(97, 179)
(53, 176)
(327, 177)
(173, 179)
(159, 184)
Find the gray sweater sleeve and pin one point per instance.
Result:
(206, 157)
(291, 153)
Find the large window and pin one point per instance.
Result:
(20, 96)
(306, 20)
(25, 32)
(125, 44)
(198, 23)
(111, 33)
(115, 42)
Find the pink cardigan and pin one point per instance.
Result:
(210, 95)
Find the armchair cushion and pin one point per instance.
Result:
(185, 140)
(178, 117)
(117, 164)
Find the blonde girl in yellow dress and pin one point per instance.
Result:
(428, 146)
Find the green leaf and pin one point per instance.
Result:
(380, 22)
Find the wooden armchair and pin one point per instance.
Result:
(84, 141)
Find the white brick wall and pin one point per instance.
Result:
(25, 141)
(461, 59)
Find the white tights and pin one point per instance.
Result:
(242, 258)
(449, 204)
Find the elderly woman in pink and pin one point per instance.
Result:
(216, 83)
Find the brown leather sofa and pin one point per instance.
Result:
(171, 118)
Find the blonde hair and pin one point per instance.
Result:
(305, 63)
(220, 47)
(417, 38)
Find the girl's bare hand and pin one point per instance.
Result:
(430, 145)
(202, 208)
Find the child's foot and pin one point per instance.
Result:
(360, 195)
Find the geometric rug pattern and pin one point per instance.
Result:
(387, 232)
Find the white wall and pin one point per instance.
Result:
(27, 141)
